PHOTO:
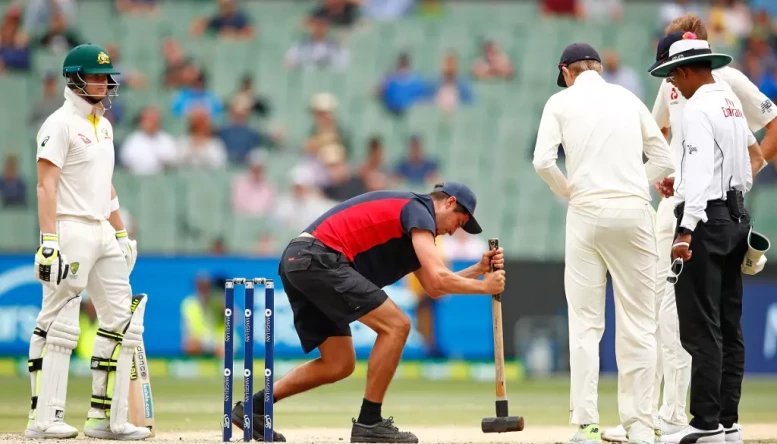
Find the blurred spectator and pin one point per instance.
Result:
(618, 74)
(61, 37)
(765, 27)
(217, 247)
(326, 128)
(341, 184)
(149, 150)
(768, 6)
(39, 13)
(402, 88)
(387, 10)
(50, 101)
(317, 49)
(237, 135)
(728, 22)
(180, 70)
(198, 96)
(417, 169)
(759, 48)
(12, 188)
(138, 7)
(266, 245)
(14, 53)
(338, 13)
(601, 10)
(252, 193)
(431, 9)
(259, 104)
(493, 63)
(374, 163)
(229, 22)
(671, 9)
(303, 205)
(452, 89)
(199, 320)
(560, 7)
(127, 76)
(200, 148)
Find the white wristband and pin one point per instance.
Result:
(114, 204)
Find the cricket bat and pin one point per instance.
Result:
(141, 404)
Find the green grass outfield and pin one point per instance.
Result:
(196, 404)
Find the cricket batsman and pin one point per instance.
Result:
(674, 362)
(83, 246)
(334, 273)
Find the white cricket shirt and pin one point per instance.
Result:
(604, 129)
(669, 104)
(78, 140)
(714, 158)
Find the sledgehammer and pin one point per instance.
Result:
(502, 422)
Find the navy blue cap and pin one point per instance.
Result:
(466, 198)
(670, 54)
(575, 53)
(662, 50)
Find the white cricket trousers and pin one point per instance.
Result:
(616, 236)
(674, 363)
(97, 264)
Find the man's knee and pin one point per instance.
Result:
(388, 320)
(340, 360)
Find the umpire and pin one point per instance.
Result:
(711, 237)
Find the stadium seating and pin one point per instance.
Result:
(488, 144)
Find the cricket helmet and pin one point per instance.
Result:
(89, 59)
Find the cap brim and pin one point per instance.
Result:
(665, 69)
(560, 80)
(472, 226)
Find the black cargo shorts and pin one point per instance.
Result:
(325, 292)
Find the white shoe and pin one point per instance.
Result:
(734, 434)
(57, 430)
(101, 428)
(690, 435)
(618, 434)
(667, 428)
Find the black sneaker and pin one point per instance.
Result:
(237, 420)
(384, 431)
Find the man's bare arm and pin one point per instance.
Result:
(115, 217)
(769, 143)
(473, 272)
(756, 158)
(48, 180)
(434, 275)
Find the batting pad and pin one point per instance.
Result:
(61, 340)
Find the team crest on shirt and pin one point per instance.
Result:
(84, 138)
(106, 134)
(74, 268)
(673, 95)
(103, 58)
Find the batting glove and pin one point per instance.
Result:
(51, 267)
(128, 247)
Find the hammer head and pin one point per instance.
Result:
(502, 424)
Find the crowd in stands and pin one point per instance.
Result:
(234, 132)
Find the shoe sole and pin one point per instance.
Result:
(34, 434)
(613, 439)
(258, 434)
(98, 434)
(381, 440)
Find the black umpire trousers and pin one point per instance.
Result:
(709, 307)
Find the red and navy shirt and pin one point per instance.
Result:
(372, 230)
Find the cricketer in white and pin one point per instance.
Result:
(83, 246)
(604, 130)
(674, 363)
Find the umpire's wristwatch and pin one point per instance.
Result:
(684, 230)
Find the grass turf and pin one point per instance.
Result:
(196, 404)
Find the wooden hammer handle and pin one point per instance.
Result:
(499, 352)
